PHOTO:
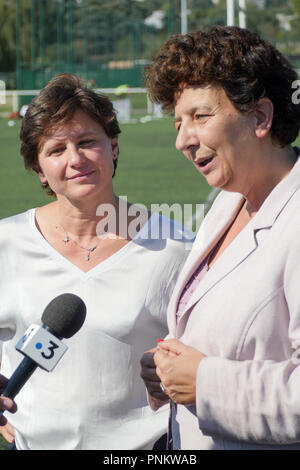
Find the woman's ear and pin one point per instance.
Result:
(115, 148)
(263, 113)
(41, 175)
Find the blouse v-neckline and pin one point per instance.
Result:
(100, 267)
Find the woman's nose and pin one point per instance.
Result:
(75, 155)
(186, 137)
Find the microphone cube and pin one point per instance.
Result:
(42, 347)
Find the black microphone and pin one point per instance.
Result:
(41, 345)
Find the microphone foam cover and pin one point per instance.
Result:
(65, 315)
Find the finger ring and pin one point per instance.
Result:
(162, 387)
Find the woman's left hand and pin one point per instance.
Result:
(176, 366)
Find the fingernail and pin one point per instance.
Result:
(159, 340)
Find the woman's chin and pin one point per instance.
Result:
(218, 181)
(82, 194)
(215, 182)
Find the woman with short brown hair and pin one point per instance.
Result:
(89, 242)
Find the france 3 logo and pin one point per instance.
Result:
(42, 347)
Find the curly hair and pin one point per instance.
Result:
(235, 59)
(54, 106)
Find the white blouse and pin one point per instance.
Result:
(94, 398)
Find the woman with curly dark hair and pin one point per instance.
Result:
(230, 365)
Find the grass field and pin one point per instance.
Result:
(150, 169)
(3, 443)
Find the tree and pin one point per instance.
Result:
(295, 23)
(93, 32)
(7, 36)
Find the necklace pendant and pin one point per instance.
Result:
(87, 258)
(66, 239)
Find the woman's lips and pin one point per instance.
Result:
(82, 174)
(204, 164)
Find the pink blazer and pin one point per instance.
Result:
(245, 317)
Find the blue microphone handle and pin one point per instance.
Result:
(19, 378)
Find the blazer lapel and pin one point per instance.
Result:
(235, 254)
(212, 228)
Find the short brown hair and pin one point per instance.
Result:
(54, 106)
(238, 60)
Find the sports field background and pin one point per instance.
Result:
(150, 169)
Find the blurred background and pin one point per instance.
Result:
(108, 43)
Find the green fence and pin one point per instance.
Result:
(110, 41)
(107, 41)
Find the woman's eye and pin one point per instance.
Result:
(56, 151)
(201, 116)
(86, 142)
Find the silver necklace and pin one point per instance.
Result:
(67, 239)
